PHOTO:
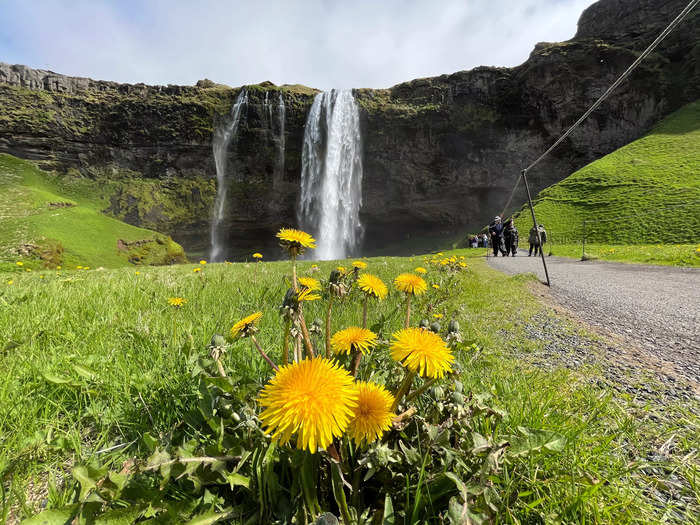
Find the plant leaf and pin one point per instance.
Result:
(53, 516)
(389, 518)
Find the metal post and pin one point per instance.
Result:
(534, 220)
(583, 247)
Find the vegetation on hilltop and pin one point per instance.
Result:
(647, 192)
(50, 221)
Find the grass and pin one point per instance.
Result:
(99, 358)
(647, 192)
(658, 254)
(61, 223)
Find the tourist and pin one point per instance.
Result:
(496, 233)
(510, 235)
(485, 240)
(535, 241)
(473, 242)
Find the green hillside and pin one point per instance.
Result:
(46, 221)
(647, 192)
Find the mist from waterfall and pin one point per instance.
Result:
(268, 110)
(223, 135)
(331, 175)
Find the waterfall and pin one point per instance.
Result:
(279, 167)
(331, 175)
(223, 135)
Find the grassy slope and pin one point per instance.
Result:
(135, 351)
(651, 186)
(88, 237)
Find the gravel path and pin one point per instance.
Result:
(655, 308)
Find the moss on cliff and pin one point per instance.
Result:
(50, 221)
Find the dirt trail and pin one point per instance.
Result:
(655, 308)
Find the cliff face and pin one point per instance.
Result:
(440, 154)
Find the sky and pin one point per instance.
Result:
(319, 43)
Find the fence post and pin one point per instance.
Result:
(534, 221)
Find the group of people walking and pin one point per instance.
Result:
(504, 237)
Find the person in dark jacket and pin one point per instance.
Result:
(496, 234)
(510, 236)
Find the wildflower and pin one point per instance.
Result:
(373, 413)
(78, 267)
(422, 351)
(244, 326)
(10, 281)
(86, 268)
(19, 263)
(28, 270)
(202, 262)
(314, 266)
(310, 283)
(195, 270)
(353, 339)
(437, 316)
(410, 283)
(58, 267)
(137, 273)
(359, 264)
(295, 241)
(177, 302)
(257, 255)
(436, 286)
(462, 264)
(440, 254)
(341, 269)
(372, 285)
(306, 295)
(228, 262)
(314, 398)
(41, 277)
(420, 269)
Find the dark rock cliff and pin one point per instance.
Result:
(440, 154)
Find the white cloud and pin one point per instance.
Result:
(319, 43)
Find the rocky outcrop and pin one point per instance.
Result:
(440, 154)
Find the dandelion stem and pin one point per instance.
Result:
(403, 389)
(263, 354)
(285, 351)
(408, 311)
(356, 358)
(294, 270)
(364, 312)
(403, 415)
(425, 386)
(305, 332)
(328, 326)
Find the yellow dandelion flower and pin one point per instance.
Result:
(306, 294)
(373, 414)
(41, 277)
(372, 285)
(314, 398)
(422, 351)
(436, 286)
(86, 268)
(228, 262)
(19, 263)
(341, 269)
(28, 270)
(202, 262)
(195, 270)
(310, 283)
(410, 283)
(463, 264)
(314, 266)
(437, 316)
(439, 253)
(177, 302)
(297, 239)
(257, 255)
(58, 267)
(353, 338)
(137, 273)
(359, 264)
(10, 281)
(420, 269)
(244, 324)
(78, 267)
